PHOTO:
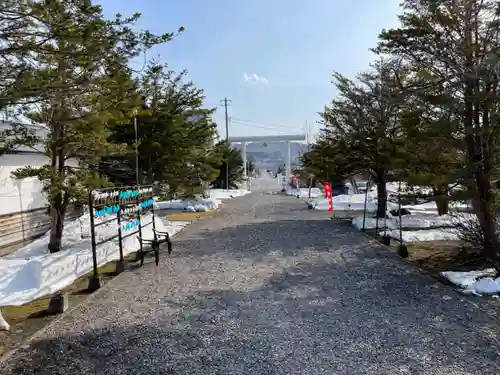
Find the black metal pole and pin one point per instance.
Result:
(138, 200)
(120, 265)
(153, 213)
(120, 244)
(402, 250)
(400, 216)
(385, 217)
(94, 282)
(364, 210)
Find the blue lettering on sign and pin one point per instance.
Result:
(145, 204)
(107, 210)
(130, 225)
(129, 194)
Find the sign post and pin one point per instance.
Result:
(123, 207)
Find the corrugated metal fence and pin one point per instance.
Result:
(19, 228)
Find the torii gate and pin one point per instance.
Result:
(270, 138)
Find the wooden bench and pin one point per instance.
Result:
(153, 245)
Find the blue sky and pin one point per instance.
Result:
(294, 44)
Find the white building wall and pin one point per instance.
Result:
(25, 194)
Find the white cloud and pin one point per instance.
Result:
(254, 78)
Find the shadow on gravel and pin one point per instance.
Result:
(258, 239)
(350, 308)
(310, 319)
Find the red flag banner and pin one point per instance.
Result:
(328, 195)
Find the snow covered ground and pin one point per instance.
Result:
(347, 203)
(32, 272)
(475, 282)
(4, 326)
(304, 192)
(217, 196)
(420, 226)
(200, 205)
(223, 194)
(423, 224)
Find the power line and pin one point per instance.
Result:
(281, 131)
(261, 124)
(258, 126)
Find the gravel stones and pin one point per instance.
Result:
(268, 287)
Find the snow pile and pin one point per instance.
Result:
(202, 204)
(423, 224)
(393, 188)
(304, 192)
(222, 194)
(350, 202)
(417, 227)
(448, 234)
(199, 205)
(475, 282)
(4, 326)
(414, 221)
(432, 207)
(32, 272)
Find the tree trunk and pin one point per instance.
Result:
(381, 193)
(486, 216)
(479, 145)
(442, 201)
(483, 200)
(57, 204)
(56, 230)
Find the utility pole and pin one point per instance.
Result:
(226, 103)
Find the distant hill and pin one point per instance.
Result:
(271, 155)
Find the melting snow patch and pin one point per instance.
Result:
(304, 192)
(201, 205)
(4, 326)
(32, 272)
(227, 194)
(420, 226)
(424, 235)
(475, 282)
(347, 202)
(432, 207)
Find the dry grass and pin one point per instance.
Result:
(437, 256)
(29, 318)
(187, 216)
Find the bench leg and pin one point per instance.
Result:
(156, 250)
(169, 245)
(142, 255)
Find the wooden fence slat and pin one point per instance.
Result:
(22, 227)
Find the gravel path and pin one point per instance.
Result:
(269, 287)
